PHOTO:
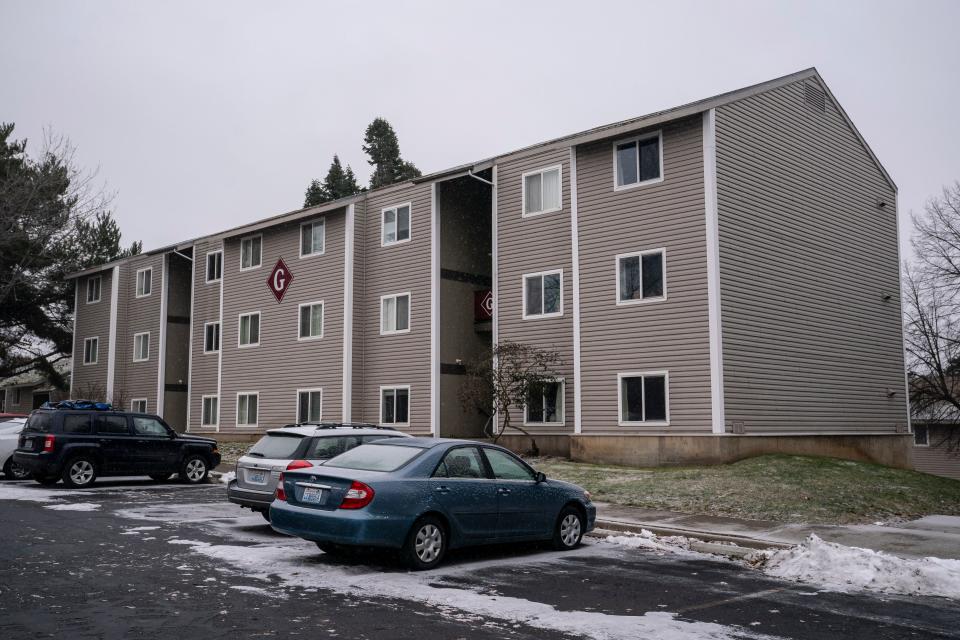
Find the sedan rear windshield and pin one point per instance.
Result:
(276, 446)
(39, 422)
(375, 457)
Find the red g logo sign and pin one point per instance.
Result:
(279, 280)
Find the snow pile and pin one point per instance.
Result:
(34, 493)
(648, 540)
(228, 477)
(76, 506)
(840, 568)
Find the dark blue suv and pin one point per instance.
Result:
(78, 445)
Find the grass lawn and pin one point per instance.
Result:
(776, 487)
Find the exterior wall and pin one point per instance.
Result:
(204, 367)
(177, 347)
(282, 363)
(530, 245)
(810, 344)
(935, 457)
(400, 359)
(359, 310)
(92, 320)
(138, 315)
(672, 334)
(27, 392)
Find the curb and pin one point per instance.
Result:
(735, 546)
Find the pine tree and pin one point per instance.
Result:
(339, 183)
(381, 144)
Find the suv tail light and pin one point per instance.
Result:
(281, 494)
(358, 496)
(48, 442)
(298, 464)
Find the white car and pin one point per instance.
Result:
(9, 437)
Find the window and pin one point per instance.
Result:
(91, 350)
(921, 436)
(312, 238)
(395, 225)
(93, 289)
(326, 447)
(247, 409)
(141, 347)
(643, 398)
(641, 277)
(214, 266)
(543, 294)
(210, 415)
(250, 250)
(211, 337)
(394, 405)
(249, 329)
(395, 313)
(138, 405)
(144, 282)
(541, 191)
(76, 423)
(311, 320)
(16, 395)
(149, 427)
(462, 462)
(113, 425)
(506, 467)
(638, 161)
(309, 405)
(545, 404)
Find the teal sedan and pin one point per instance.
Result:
(425, 496)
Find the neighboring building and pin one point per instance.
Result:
(26, 392)
(936, 437)
(693, 267)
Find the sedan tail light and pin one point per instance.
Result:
(298, 464)
(281, 494)
(48, 443)
(358, 496)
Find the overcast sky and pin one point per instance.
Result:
(206, 115)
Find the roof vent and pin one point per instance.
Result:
(814, 98)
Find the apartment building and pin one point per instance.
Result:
(692, 267)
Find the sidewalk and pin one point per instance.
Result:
(937, 536)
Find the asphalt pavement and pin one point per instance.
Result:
(134, 559)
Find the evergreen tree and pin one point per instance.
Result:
(381, 144)
(339, 183)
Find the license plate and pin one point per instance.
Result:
(257, 477)
(312, 495)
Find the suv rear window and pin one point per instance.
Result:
(276, 446)
(39, 422)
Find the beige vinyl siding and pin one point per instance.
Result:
(138, 315)
(399, 359)
(92, 320)
(806, 258)
(281, 364)
(204, 374)
(935, 458)
(670, 335)
(531, 245)
(359, 306)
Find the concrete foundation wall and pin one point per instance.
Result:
(555, 445)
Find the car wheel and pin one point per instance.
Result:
(13, 471)
(79, 472)
(426, 543)
(266, 515)
(569, 530)
(194, 469)
(47, 481)
(160, 477)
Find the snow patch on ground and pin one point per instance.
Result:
(269, 593)
(228, 477)
(135, 531)
(32, 493)
(648, 540)
(76, 506)
(840, 568)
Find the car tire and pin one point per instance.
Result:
(13, 471)
(47, 481)
(426, 544)
(266, 515)
(160, 477)
(569, 529)
(194, 469)
(79, 472)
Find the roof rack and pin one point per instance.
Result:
(336, 425)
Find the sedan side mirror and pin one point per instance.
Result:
(540, 477)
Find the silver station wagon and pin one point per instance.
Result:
(295, 447)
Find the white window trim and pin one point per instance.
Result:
(319, 390)
(523, 284)
(640, 254)
(523, 191)
(137, 283)
(323, 320)
(203, 400)
(207, 324)
(394, 387)
(322, 251)
(83, 356)
(239, 334)
(563, 406)
(206, 266)
(99, 279)
(653, 134)
(244, 239)
(666, 398)
(384, 332)
(915, 435)
(383, 234)
(146, 405)
(236, 413)
(135, 336)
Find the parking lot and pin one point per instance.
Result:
(134, 559)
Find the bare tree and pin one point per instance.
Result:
(505, 377)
